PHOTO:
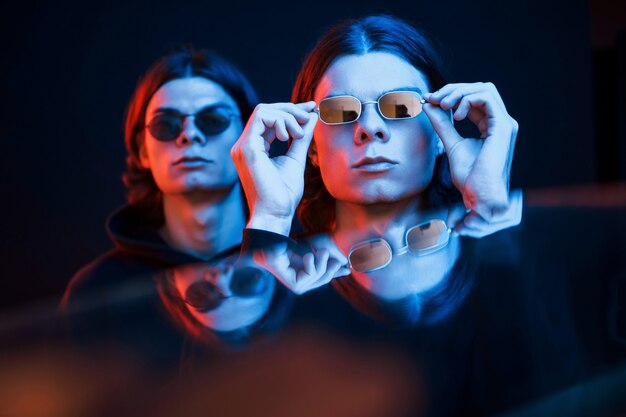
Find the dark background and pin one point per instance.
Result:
(70, 67)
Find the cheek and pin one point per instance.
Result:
(420, 151)
(157, 151)
(334, 145)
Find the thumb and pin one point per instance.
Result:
(440, 119)
(300, 146)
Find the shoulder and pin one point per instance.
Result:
(112, 269)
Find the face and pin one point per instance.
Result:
(233, 312)
(192, 162)
(373, 160)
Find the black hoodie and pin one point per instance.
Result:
(113, 301)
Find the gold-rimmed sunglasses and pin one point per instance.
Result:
(394, 105)
(422, 239)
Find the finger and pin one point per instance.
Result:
(436, 96)
(342, 272)
(256, 133)
(321, 258)
(456, 215)
(472, 225)
(294, 128)
(300, 111)
(268, 136)
(324, 241)
(330, 269)
(443, 126)
(452, 93)
(485, 103)
(308, 263)
(307, 106)
(281, 130)
(299, 146)
(462, 109)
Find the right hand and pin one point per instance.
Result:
(274, 186)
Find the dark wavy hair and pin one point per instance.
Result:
(184, 62)
(378, 33)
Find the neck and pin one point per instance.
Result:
(203, 223)
(358, 222)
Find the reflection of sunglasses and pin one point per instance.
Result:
(246, 282)
(425, 238)
(167, 125)
(393, 105)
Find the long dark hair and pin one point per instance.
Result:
(184, 62)
(379, 33)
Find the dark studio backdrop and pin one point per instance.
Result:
(69, 69)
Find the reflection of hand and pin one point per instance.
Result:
(480, 168)
(473, 225)
(303, 273)
(274, 186)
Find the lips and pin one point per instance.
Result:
(191, 160)
(374, 164)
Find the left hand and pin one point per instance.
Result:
(303, 273)
(480, 168)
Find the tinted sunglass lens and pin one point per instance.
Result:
(370, 256)
(249, 281)
(212, 121)
(338, 110)
(428, 236)
(202, 296)
(166, 127)
(400, 105)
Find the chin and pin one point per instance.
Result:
(368, 197)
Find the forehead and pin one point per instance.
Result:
(367, 76)
(189, 95)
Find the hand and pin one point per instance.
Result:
(274, 186)
(300, 274)
(480, 168)
(473, 225)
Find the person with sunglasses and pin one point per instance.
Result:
(185, 206)
(383, 162)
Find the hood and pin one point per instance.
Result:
(132, 232)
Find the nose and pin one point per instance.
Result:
(221, 277)
(371, 126)
(190, 133)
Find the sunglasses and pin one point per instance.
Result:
(246, 282)
(394, 105)
(167, 125)
(423, 239)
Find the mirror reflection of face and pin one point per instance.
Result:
(409, 274)
(406, 149)
(234, 312)
(193, 161)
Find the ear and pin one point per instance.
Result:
(143, 155)
(312, 153)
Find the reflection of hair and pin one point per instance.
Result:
(184, 63)
(429, 307)
(357, 37)
(270, 322)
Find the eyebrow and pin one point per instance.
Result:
(411, 88)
